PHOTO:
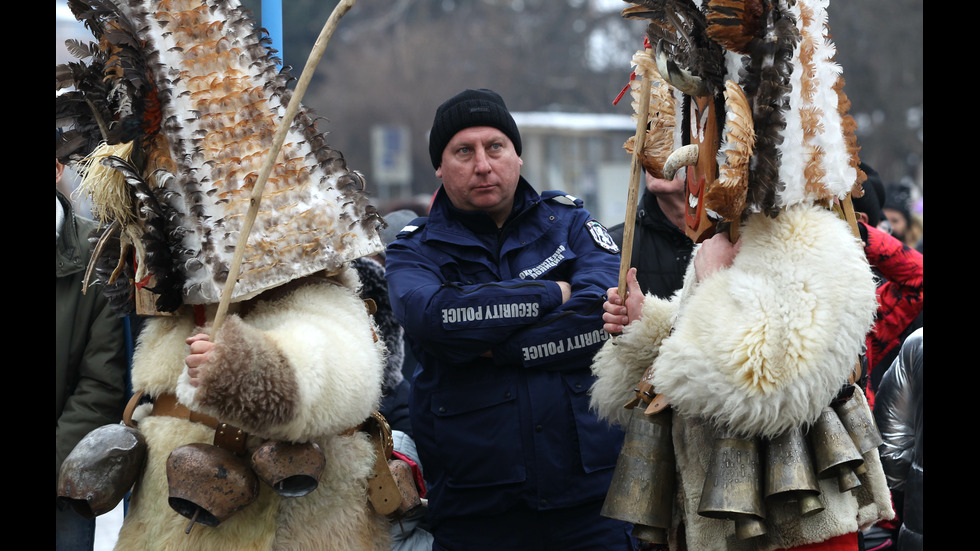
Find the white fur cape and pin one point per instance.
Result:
(303, 366)
(759, 348)
(762, 346)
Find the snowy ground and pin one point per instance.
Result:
(107, 528)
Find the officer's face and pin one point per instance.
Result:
(480, 170)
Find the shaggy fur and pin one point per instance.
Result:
(315, 347)
(620, 363)
(760, 347)
(764, 345)
(249, 379)
(327, 339)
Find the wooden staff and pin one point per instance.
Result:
(849, 215)
(253, 209)
(636, 177)
(658, 402)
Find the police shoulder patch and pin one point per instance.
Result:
(562, 198)
(412, 227)
(601, 236)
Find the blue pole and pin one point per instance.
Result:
(272, 22)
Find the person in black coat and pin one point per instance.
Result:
(898, 414)
(661, 249)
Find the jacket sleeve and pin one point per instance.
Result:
(569, 335)
(451, 320)
(899, 295)
(295, 368)
(895, 411)
(621, 362)
(100, 394)
(447, 318)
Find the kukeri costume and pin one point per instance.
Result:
(188, 97)
(756, 360)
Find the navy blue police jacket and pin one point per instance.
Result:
(514, 425)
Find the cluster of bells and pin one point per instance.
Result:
(210, 483)
(744, 474)
(207, 483)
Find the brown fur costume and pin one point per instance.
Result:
(303, 366)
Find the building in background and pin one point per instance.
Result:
(581, 154)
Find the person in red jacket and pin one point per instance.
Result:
(899, 269)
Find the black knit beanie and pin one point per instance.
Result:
(897, 198)
(470, 108)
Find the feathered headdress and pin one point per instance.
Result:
(169, 123)
(756, 104)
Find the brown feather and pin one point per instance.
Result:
(734, 23)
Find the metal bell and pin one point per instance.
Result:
(642, 487)
(789, 472)
(101, 468)
(208, 483)
(859, 422)
(733, 486)
(834, 451)
(401, 471)
(292, 470)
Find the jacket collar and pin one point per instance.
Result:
(652, 215)
(444, 215)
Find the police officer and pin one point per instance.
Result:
(500, 292)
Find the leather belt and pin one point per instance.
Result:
(226, 436)
(167, 404)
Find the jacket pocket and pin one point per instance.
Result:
(479, 435)
(598, 442)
